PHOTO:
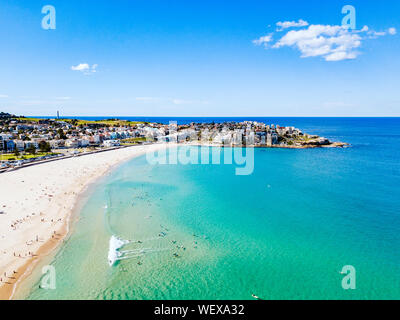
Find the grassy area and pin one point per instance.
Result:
(27, 119)
(133, 141)
(11, 156)
(110, 122)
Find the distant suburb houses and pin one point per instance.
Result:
(60, 135)
(23, 136)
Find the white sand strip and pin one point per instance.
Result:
(36, 203)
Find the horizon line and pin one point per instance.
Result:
(134, 116)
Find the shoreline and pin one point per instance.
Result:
(48, 243)
(49, 253)
(77, 175)
(331, 145)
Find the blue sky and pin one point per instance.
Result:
(200, 58)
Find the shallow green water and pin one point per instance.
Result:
(284, 232)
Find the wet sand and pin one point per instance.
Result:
(36, 207)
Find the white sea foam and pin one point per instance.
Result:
(113, 252)
(116, 244)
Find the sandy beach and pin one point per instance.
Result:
(36, 206)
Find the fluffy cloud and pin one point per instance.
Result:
(341, 55)
(332, 43)
(85, 68)
(80, 67)
(291, 24)
(263, 40)
(373, 34)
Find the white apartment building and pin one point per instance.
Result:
(111, 143)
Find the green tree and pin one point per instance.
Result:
(44, 146)
(31, 149)
(61, 134)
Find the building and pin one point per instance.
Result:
(9, 145)
(237, 138)
(28, 144)
(111, 143)
(96, 139)
(57, 144)
(72, 143)
(275, 139)
(272, 138)
(19, 145)
(83, 143)
(5, 136)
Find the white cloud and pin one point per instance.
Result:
(80, 67)
(63, 98)
(85, 68)
(374, 34)
(263, 40)
(291, 24)
(332, 43)
(341, 55)
(364, 29)
(3, 96)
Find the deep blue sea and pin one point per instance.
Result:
(283, 232)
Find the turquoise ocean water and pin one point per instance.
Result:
(283, 232)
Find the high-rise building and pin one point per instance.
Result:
(269, 139)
